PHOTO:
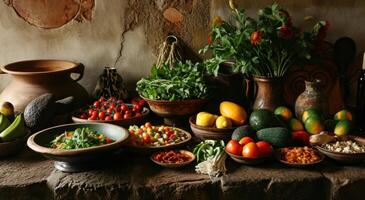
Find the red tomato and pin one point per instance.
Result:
(90, 112)
(83, 116)
(265, 148)
(124, 107)
(301, 137)
(113, 105)
(108, 140)
(137, 107)
(95, 113)
(92, 117)
(142, 103)
(102, 115)
(127, 116)
(148, 125)
(146, 139)
(108, 118)
(234, 147)
(134, 102)
(97, 104)
(117, 116)
(245, 140)
(250, 150)
(127, 112)
(110, 110)
(102, 99)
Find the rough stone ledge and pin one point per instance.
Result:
(29, 176)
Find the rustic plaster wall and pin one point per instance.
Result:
(126, 34)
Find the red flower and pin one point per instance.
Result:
(210, 39)
(256, 37)
(285, 32)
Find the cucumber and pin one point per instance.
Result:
(277, 136)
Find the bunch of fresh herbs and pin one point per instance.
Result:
(184, 80)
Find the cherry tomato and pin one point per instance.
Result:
(124, 107)
(108, 118)
(95, 113)
(127, 116)
(127, 112)
(117, 116)
(97, 104)
(136, 107)
(92, 117)
(83, 116)
(148, 125)
(90, 111)
(102, 115)
(134, 102)
(110, 110)
(138, 114)
(108, 140)
(113, 105)
(120, 102)
(265, 148)
(112, 99)
(142, 103)
(234, 147)
(102, 99)
(250, 150)
(245, 140)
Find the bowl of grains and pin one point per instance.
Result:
(299, 156)
(347, 150)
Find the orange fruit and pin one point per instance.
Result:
(284, 113)
(235, 112)
(314, 125)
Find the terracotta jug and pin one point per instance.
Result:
(33, 78)
(268, 93)
(312, 97)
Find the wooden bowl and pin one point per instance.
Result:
(175, 165)
(123, 122)
(12, 147)
(278, 158)
(345, 158)
(39, 142)
(176, 108)
(152, 149)
(249, 161)
(210, 133)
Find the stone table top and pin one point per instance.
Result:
(30, 176)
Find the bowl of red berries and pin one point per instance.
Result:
(113, 111)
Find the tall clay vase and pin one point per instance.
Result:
(312, 97)
(268, 93)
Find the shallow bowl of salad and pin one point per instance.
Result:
(79, 143)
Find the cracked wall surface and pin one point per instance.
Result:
(126, 34)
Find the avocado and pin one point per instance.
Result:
(263, 118)
(243, 131)
(40, 112)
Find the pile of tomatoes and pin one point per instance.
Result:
(112, 109)
(247, 148)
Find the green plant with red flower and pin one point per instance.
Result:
(267, 46)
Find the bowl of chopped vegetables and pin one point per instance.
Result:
(75, 147)
(148, 138)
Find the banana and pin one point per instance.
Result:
(15, 130)
(4, 122)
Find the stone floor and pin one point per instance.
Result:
(29, 176)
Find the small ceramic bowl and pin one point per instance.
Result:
(75, 160)
(249, 161)
(123, 122)
(345, 158)
(175, 165)
(12, 147)
(278, 156)
(210, 133)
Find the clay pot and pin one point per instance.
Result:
(312, 97)
(268, 93)
(33, 78)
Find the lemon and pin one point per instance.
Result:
(223, 122)
(205, 119)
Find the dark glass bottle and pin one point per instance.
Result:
(360, 101)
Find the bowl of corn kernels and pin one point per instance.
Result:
(299, 156)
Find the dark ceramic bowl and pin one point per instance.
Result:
(176, 108)
(346, 158)
(278, 156)
(12, 147)
(175, 165)
(153, 149)
(249, 161)
(70, 159)
(123, 122)
(210, 133)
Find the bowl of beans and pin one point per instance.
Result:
(347, 150)
(299, 156)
